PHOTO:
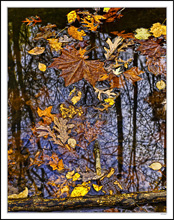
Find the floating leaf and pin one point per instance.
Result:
(142, 34)
(109, 101)
(155, 166)
(70, 174)
(46, 113)
(158, 29)
(96, 187)
(21, 195)
(76, 176)
(55, 44)
(122, 34)
(33, 20)
(78, 35)
(77, 97)
(55, 163)
(112, 46)
(42, 67)
(117, 71)
(112, 14)
(71, 16)
(75, 68)
(110, 173)
(72, 142)
(161, 85)
(80, 190)
(70, 111)
(106, 9)
(65, 189)
(37, 50)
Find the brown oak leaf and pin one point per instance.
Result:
(75, 68)
(132, 74)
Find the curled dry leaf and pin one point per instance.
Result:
(42, 67)
(155, 166)
(37, 50)
(161, 85)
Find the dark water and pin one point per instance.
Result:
(132, 137)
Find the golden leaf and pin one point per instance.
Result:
(80, 190)
(158, 29)
(55, 44)
(109, 101)
(142, 34)
(76, 176)
(71, 16)
(42, 67)
(37, 50)
(110, 173)
(78, 35)
(65, 189)
(21, 195)
(155, 166)
(72, 142)
(161, 85)
(118, 184)
(70, 174)
(77, 98)
(46, 113)
(106, 9)
(71, 111)
(55, 163)
(96, 187)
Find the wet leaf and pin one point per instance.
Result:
(33, 20)
(65, 189)
(161, 85)
(132, 74)
(70, 111)
(112, 14)
(157, 66)
(55, 163)
(158, 29)
(78, 35)
(111, 172)
(75, 68)
(70, 174)
(46, 112)
(61, 126)
(122, 34)
(142, 34)
(42, 67)
(80, 190)
(71, 16)
(37, 50)
(21, 195)
(155, 166)
(110, 101)
(76, 176)
(72, 142)
(117, 71)
(76, 97)
(106, 9)
(112, 46)
(55, 44)
(97, 187)
(118, 184)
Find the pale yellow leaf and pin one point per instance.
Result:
(37, 50)
(96, 187)
(106, 9)
(76, 98)
(72, 142)
(161, 85)
(76, 176)
(42, 67)
(155, 166)
(142, 34)
(21, 195)
(70, 174)
(80, 191)
(117, 71)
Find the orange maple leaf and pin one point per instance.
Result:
(46, 113)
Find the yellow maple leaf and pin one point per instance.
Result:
(55, 44)
(71, 16)
(78, 35)
(142, 34)
(109, 101)
(76, 176)
(42, 67)
(158, 29)
(80, 190)
(96, 187)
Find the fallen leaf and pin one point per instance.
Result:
(110, 101)
(21, 195)
(112, 14)
(158, 29)
(118, 184)
(106, 9)
(161, 85)
(46, 113)
(55, 163)
(37, 50)
(76, 97)
(75, 68)
(97, 187)
(80, 190)
(132, 74)
(76, 176)
(42, 67)
(70, 174)
(71, 16)
(157, 66)
(72, 142)
(112, 46)
(78, 35)
(110, 173)
(155, 166)
(33, 20)
(55, 44)
(122, 34)
(117, 71)
(70, 111)
(142, 34)
(65, 189)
